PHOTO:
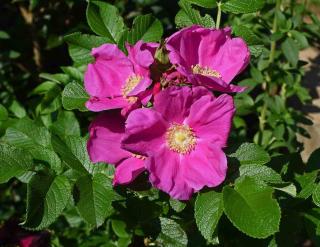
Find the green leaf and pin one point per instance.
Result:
(312, 223)
(74, 153)
(95, 198)
(17, 109)
(256, 50)
(66, 124)
(260, 173)
(3, 113)
(251, 154)
(73, 72)
(244, 104)
(182, 19)
(314, 161)
(300, 38)
(26, 177)
(288, 188)
(46, 199)
(4, 35)
(290, 50)
(13, 162)
(78, 148)
(80, 46)
(177, 205)
(26, 133)
(188, 16)
(104, 20)
(35, 139)
(316, 195)
(251, 208)
(119, 228)
(47, 155)
(242, 7)
(204, 3)
(58, 77)
(208, 210)
(145, 27)
(307, 184)
(74, 97)
(247, 34)
(171, 235)
(44, 87)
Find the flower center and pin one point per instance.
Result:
(181, 138)
(130, 84)
(206, 71)
(138, 156)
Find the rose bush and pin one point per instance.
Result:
(157, 136)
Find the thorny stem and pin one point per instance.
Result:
(218, 15)
(274, 30)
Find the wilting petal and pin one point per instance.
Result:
(205, 166)
(145, 129)
(211, 118)
(128, 170)
(106, 132)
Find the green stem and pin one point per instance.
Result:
(218, 15)
(274, 30)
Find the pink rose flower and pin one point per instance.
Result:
(115, 80)
(104, 145)
(209, 57)
(183, 136)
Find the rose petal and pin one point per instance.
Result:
(104, 144)
(145, 129)
(205, 166)
(128, 170)
(211, 119)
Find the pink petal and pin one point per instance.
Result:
(106, 76)
(216, 84)
(182, 47)
(106, 132)
(210, 45)
(174, 102)
(142, 56)
(167, 174)
(128, 170)
(101, 104)
(205, 166)
(145, 129)
(209, 48)
(211, 119)
(141, 87)
(232, 58)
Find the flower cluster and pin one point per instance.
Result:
(166, 121)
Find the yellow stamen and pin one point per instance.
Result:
(181, 138)
(138, 156)
(206, 71)
(130, 84)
